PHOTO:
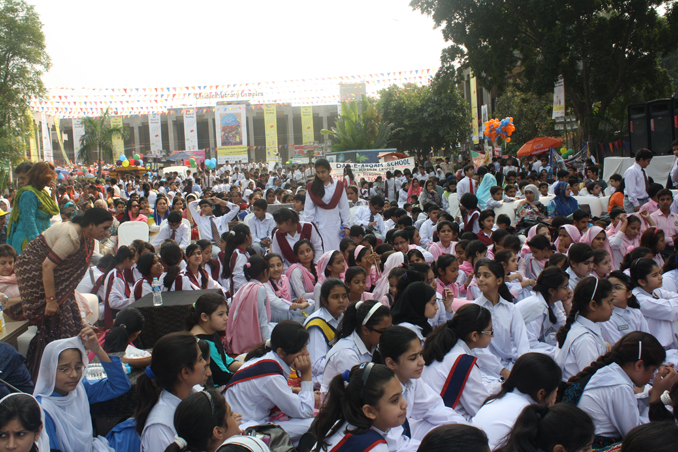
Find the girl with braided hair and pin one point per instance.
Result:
(605, 389)
(580, 339)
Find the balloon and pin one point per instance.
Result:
(140, 162)
(61, 176)
(123, 157)
(570, 152)
(118, 162)
(563, 150)
(137, 157)
(508, 140)
(131, 162)
(125, 163)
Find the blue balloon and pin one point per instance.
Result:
(123, 157)
(61, 176)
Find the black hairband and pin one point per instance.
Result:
(366, 374)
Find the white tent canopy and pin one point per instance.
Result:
(658, 169)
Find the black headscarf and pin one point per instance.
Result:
(410, 307)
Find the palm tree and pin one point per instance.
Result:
(98, 136)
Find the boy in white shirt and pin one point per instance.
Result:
(370, 217)
(261, 226)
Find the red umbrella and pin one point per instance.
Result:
(538, 145)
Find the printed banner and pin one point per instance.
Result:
(483, 119)
(32, 142)
(78, 132)
(155, 132)
(559, 99)
(46, 139)
(271, 125)
(231, 133)
(61, 140)
(370, 171)
(118, 143)
(191, 130)
(474, 109)
(307, 133)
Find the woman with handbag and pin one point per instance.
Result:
(48, 271)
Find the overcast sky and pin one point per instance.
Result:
(151, 43)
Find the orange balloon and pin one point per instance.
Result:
(508, 140)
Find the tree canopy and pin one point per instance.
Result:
(601, 48)
(98, 137)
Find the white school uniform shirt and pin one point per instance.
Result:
(338, 437)
(298, 290)
(426, 232)
(182, 236)
(116, 298)
(185, 282)
(345, 354)
(583, 345)
(317, 346)
(622, 322)
(402, 198)
(540, 331)
(146, 288)
(669, 281)
(610, 400)
(574, 279)
(390, 189)
(634, 179)
(474, 393)
(361, 217)
(329, 222)
(661, 312)
(262, 229)
(464, 186)
(204, 223)
(497, 417)
(89, 280)
(158, 432)
(389, 224)
(315, 239)
(255, 398)
(510, 336)
(211, 283)
(280, 308)
(237, 272)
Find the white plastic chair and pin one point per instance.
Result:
(24, 340)
(509, 209)
(93, 303)
(353, 209)
(605, 203)
(453, 201)
(131, 231)
(247, 219)
(594, 203)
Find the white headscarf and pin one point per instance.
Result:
(71, 414)
(533, 189)
(382, 286)
(43, 439)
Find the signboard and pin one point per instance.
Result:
(118, 143)
(370, 171)
(231, 136)
(155, 132)
(474, 109)
(46, 139)
(191, 130)
(559, 99)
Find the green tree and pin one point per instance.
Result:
(98, 137)
(357, 129)
(23, 59)
(531, 113)
(434, 117)
(601, 49)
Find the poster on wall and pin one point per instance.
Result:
(155, 132)
(118, 143)
(231, 133)
(46, 139)
(474, 109)
(191, 130)
(271, 125)
(307, 133)
(559, 99)
(78, 132)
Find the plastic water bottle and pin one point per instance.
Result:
(157, 294)
(2, 318)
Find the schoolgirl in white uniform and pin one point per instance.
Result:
(626, 315)
(302, 275)
(150, 267)
(235, 258)
(533, 380)
(279, 292)
(415, 307)
(400, 350)
(357, 337)
(260, 385)
(581, 263)
(660, 307)
(290, 231)
(330, 265)
(116, 290)
(200, 279)
(371, 396)
(451, 368)
(543, 312)
(608, 395)
(510, 336)
(580, 339)
(322, 324)
(172, 259)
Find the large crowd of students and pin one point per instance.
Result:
(357, 315)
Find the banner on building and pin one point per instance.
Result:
(483, 119)
(32, 142)
(271, 125)
(78, 132)
(118, 142)
(559, 99)
(307, 133)
(155, 133)
(191, 130)
(60, 139)
(474, 109)
(370, 171)
(46, 139)
(231, 132)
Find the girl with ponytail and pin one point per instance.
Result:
(451, 369)
(659, 306)
(260, 385)
(400, 350)
(126, 329)
(250, 321)
(150, 268)
(534, 380)
(357, 337)
(235, 257)
(357, 416)
(626, 315)
(608, 385)
(203, 421)
(200, 279)
(580, 340)
(543, 312)
(116, 287)
(561, 428)
(172, 258)
(327, 205)
(510, 336)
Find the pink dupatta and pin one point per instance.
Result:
(243, 330)
(591, 234)
(381, 288)
(283, 291)
(309, 279)
(8, 286)
(572, 231)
